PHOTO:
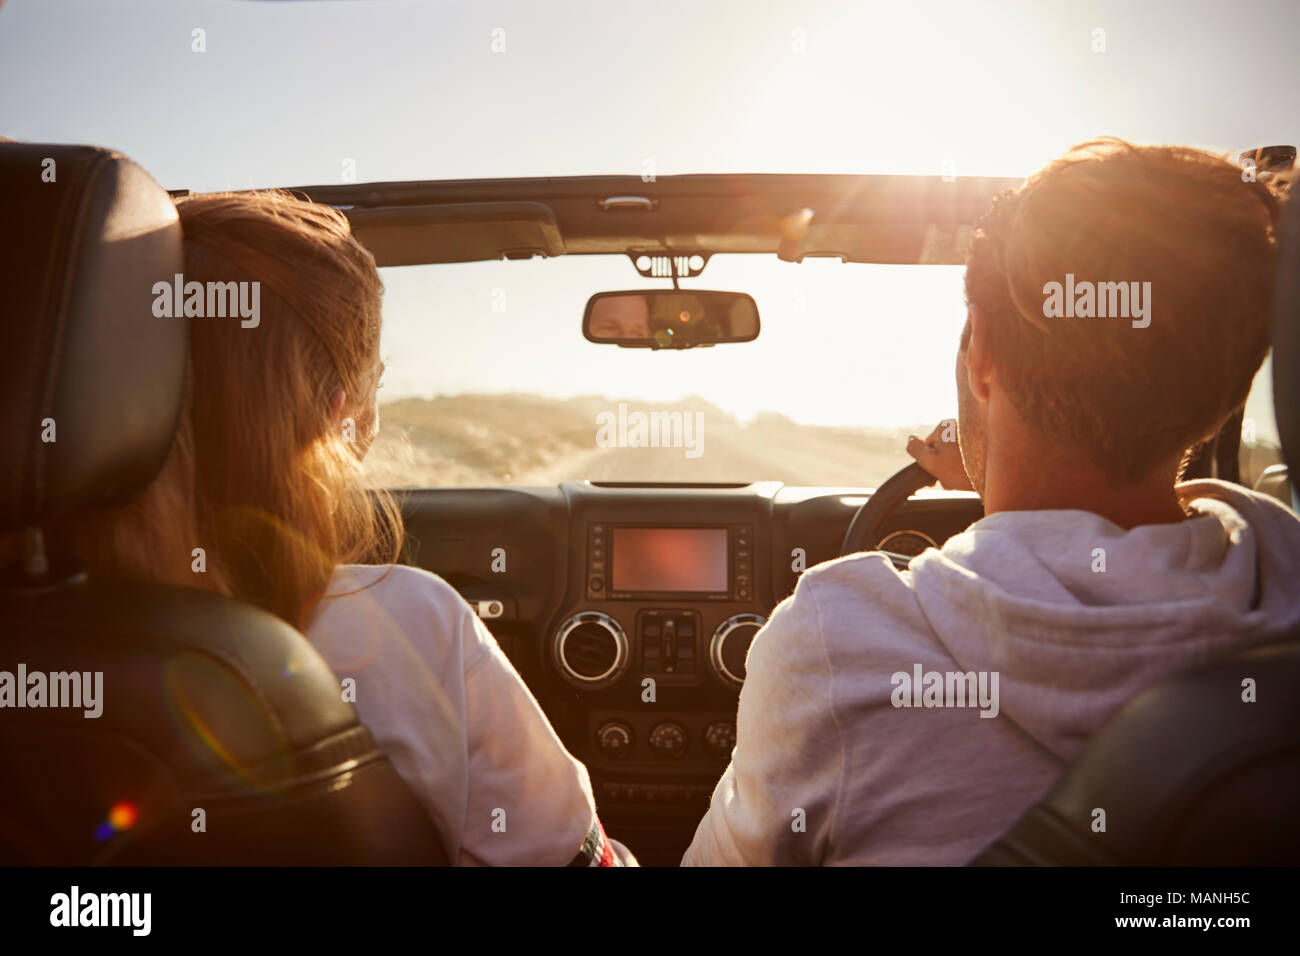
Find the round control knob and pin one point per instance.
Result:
(668, 740)
(730, 646)
(590, 650)
(614, 739)
(720, 738)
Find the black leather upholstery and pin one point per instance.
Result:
(1189, 774)
(208, 704)
(82, 346)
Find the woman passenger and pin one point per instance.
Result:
(266, 477)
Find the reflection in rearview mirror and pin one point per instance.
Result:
(670, 318)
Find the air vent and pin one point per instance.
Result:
(591, 650)
(730, 647)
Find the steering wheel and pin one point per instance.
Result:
(864, 530)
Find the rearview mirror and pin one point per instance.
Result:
(670, 318)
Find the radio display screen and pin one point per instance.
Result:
(669, 560)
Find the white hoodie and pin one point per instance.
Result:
(1073, 615)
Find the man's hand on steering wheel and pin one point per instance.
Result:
(936, 457)
(940, 455)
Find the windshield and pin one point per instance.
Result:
(490, 381)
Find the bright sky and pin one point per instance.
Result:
(285, 93)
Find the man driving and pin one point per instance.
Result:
(1118, 311)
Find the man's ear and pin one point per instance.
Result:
(979, 364)
(337, 402)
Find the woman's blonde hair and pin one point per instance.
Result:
(261, 476)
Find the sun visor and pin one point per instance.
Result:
(456, 232)
(863, 233)
(900, 243)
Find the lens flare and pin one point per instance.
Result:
(122, 816)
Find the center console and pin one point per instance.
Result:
(655, 640)
(659, 603)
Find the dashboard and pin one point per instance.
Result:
(629, 610)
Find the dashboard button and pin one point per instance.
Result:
(668, 740)
(614, 739)
(720, 738)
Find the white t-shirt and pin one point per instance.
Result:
(455, 718)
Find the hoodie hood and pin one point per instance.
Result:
(1077, 615)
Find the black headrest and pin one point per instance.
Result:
(87, 233)
(1286, 335)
